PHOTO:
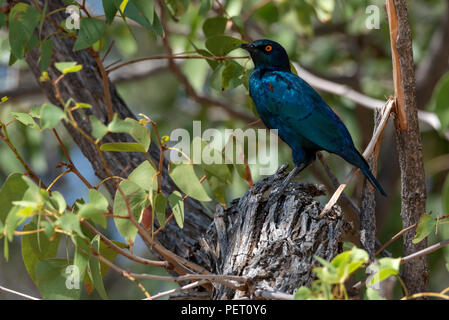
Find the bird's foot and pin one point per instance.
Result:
(278, 193)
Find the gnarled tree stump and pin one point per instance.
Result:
(274, 247)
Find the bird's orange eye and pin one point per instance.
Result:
(268, 48)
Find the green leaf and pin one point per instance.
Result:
(50, 116)
(230, 75)
(122, 147)
(60, 201)
(91, 30)
(426, 225)
(46, 53)
(70, 222)
(385, 268)
(185, 178)
(221, 45)
(12, 190)
(160, 204)
(133, 12)
(110, 9)
(68, 67)
(144, 176)
(95, 269)
(146, 7)
(110, 254)
(98, 200)
(90, 211)
(81, 257)
(25, 119)
(218, 189)
(137, 198)
(177, 207)
(35, 112)
(212, 63)
(214, 26)
(98, 128)
(303, 293)
(349, 261)
(54, 276)
(139, 133)
(37, 247)
(23, 20)
(118, 125)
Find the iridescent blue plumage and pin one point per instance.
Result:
(304, 121)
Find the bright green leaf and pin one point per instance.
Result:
(12, 189)
(25, 119)
(139, 133)
(303, 293)
(98, 200)
(385, 267)
(90, 211)
(50, 116)
(177, 207)
(122, 147)
(137, 199)
(59, 199)
(95, 269)
(160, 204)
(68, 67)
(144, 176)
(98, 128)
(426, 225)
(185, 178)
(70, 223)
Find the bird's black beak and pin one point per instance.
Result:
(247, 46)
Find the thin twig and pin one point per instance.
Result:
(23, 295)
(425, 251)
(184, 288)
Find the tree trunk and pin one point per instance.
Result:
(413, 187)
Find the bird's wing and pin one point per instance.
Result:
(305, 112)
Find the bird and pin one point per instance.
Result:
(304, 121)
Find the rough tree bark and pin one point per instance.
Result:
(413, 188)
(274, 248)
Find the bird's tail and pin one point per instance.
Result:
(359, 161)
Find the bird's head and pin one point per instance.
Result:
(267, 54)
